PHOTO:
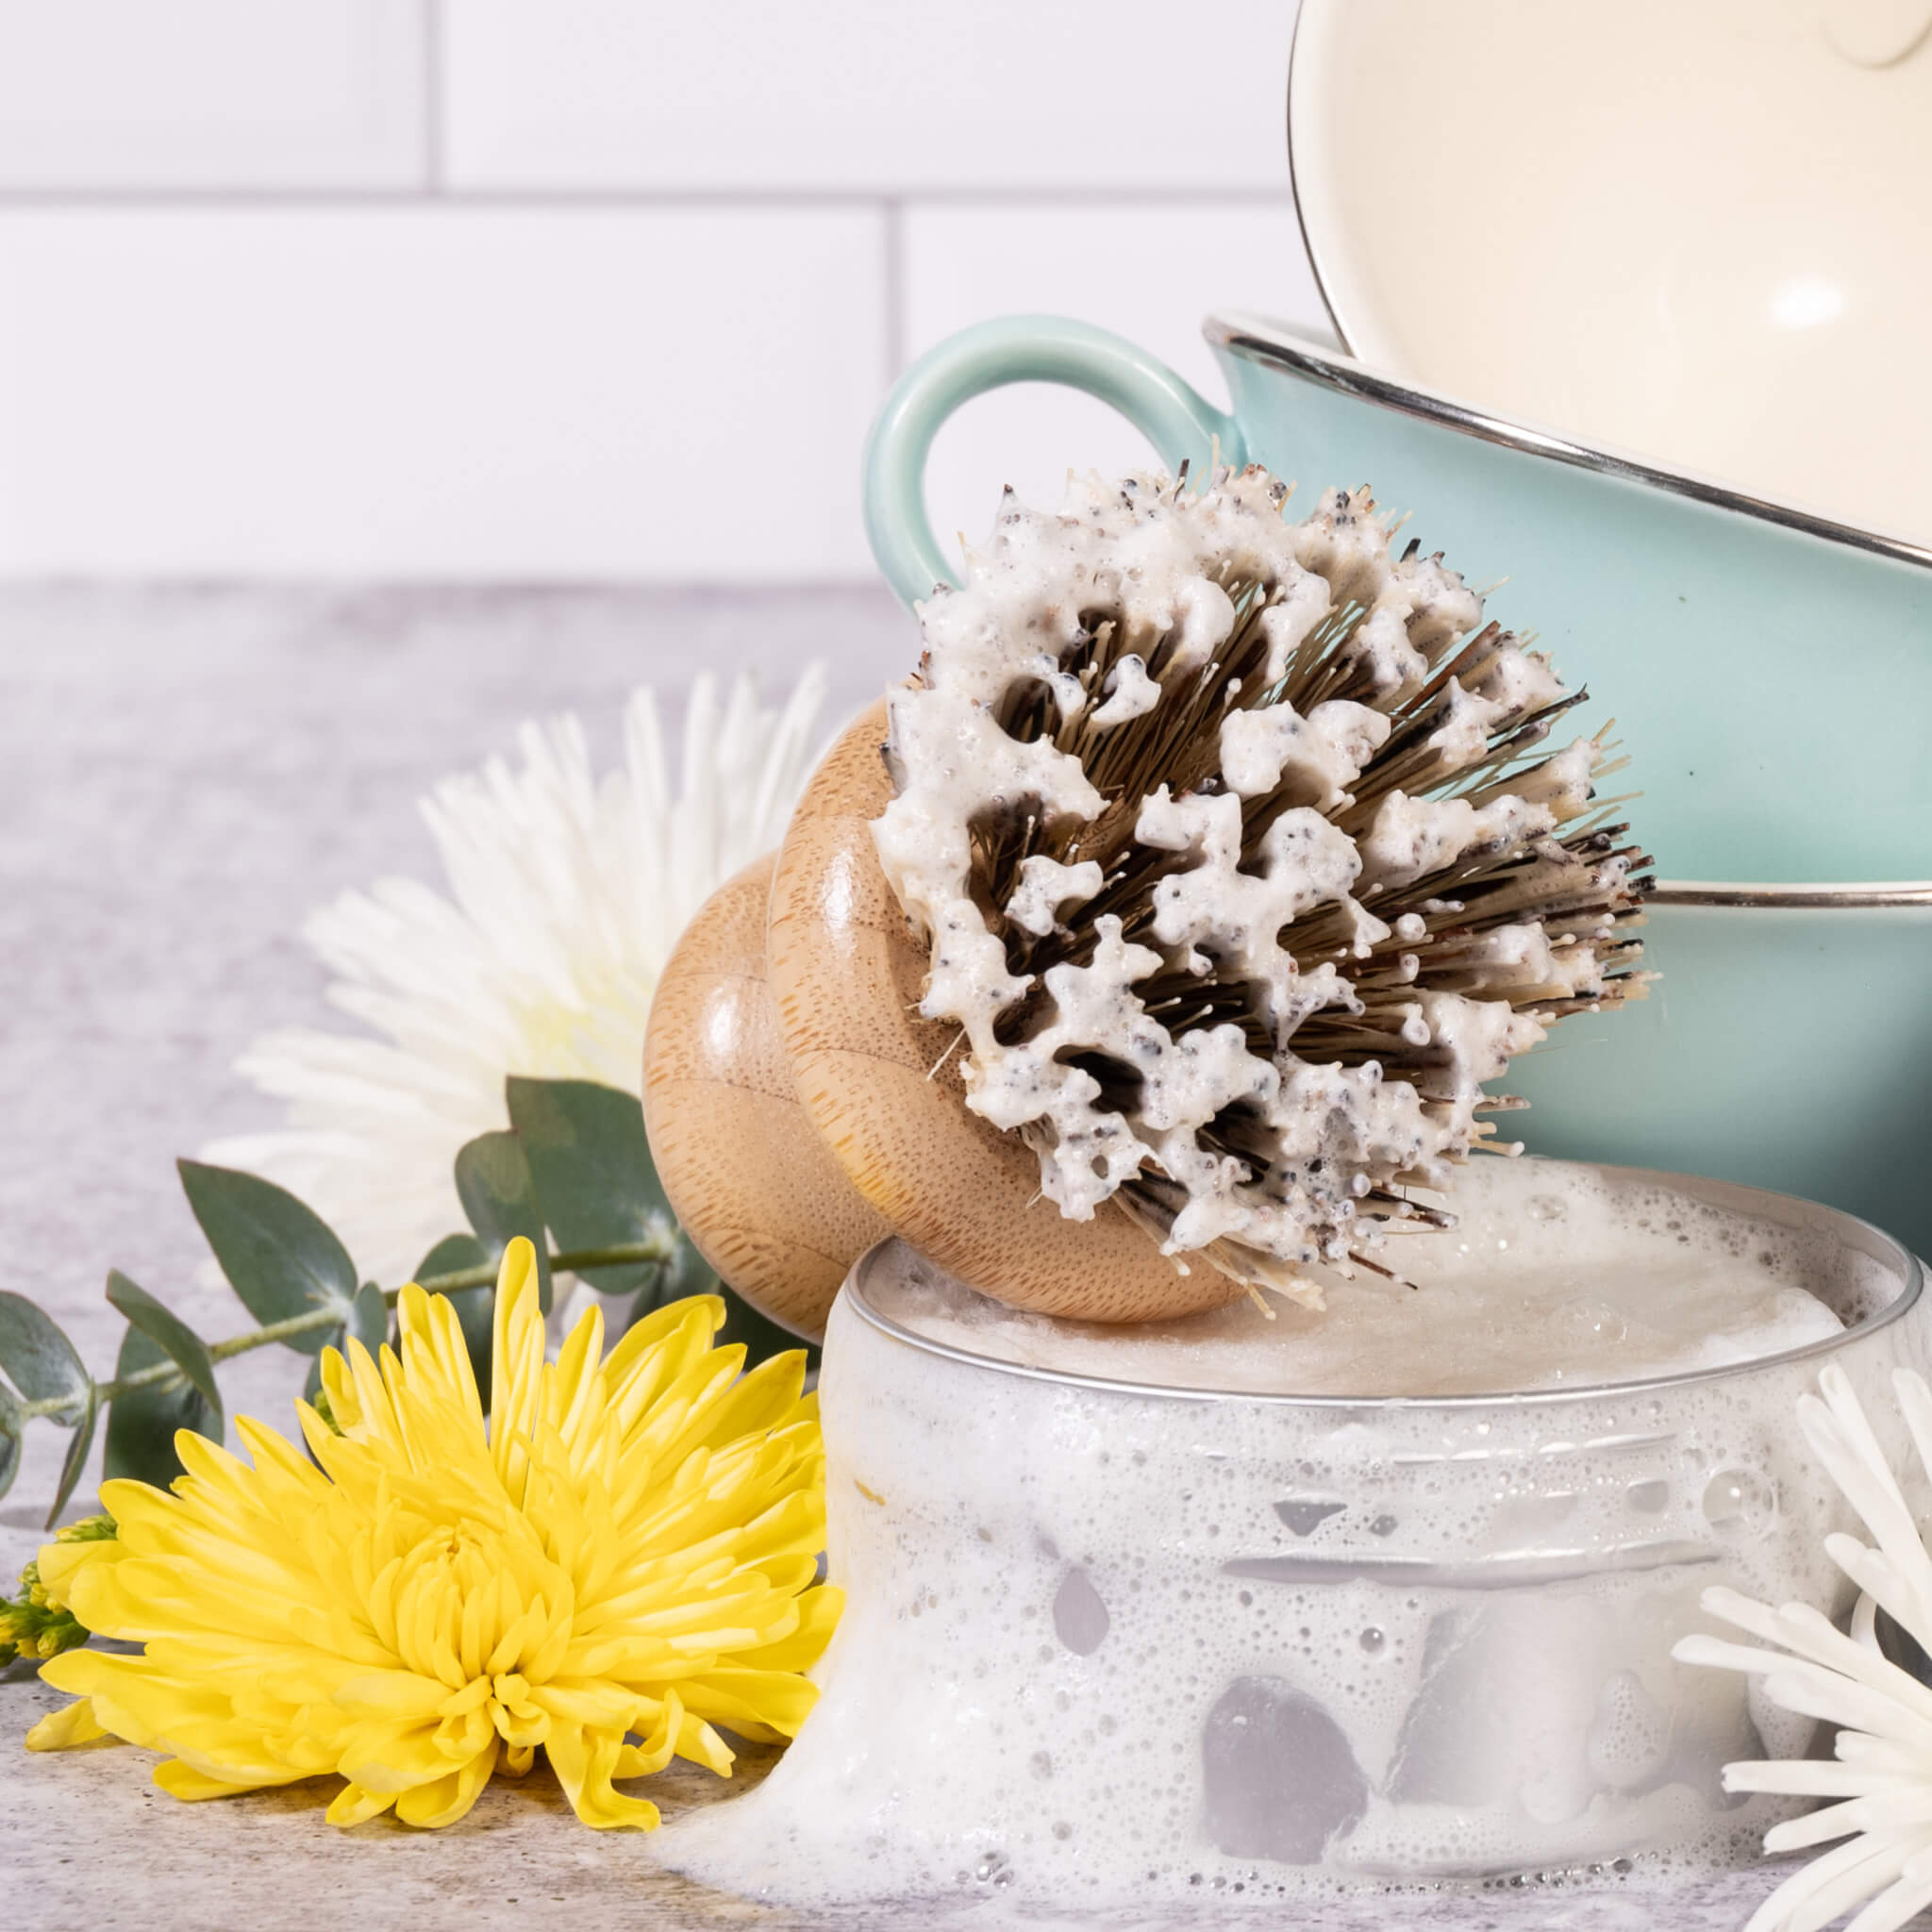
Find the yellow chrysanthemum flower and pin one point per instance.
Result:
(628, 1552)
(37, 1621)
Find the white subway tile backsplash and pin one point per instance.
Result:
(875, 95)
(212, 94)
(486, 288)
(1151, 273)
(464, 393)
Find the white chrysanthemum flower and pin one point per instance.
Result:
(1882, 1776)
(564, 898)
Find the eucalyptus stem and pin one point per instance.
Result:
(659, 1248)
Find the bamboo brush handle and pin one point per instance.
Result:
(744, 1171)
(797, 1115)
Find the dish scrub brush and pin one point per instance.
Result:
(1155, 942)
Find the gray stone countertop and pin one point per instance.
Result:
(187, 773)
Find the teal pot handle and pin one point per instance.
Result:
(1182, 425)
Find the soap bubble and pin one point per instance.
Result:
(1739, 1505)
(1304, 1515)
(1079, 1618)
(1279, 1778)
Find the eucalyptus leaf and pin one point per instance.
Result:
(75, 1460)
(593, 1167)
(455, 1254)
(12, 1423)
(368, 1323)
(475, 1307)
(142, 1423)
(280, 1256)
(179, 1342)
(688, 1274)
(39, 1359)
(494, 1185)
(369, 1319)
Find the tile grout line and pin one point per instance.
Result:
(894, 212)
(433, 94)
(619, 200)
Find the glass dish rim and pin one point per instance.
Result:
(1878, 1243)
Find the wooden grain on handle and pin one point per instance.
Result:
(744, 1171)
(846, 977)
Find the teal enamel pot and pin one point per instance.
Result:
(1770, 673)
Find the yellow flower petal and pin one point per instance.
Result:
(817, 1617)
(354, 1805)
(660, 1742)
(701, 1744)
(627, 1549)
(192, 1787)
(392, 1757)
(433, 1805)
(765, 1705)
(61, 1730)
(585, 1763)
(59, 1564)
(516, 1367)
(395, 1694)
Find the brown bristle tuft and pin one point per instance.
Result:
(1189, 716)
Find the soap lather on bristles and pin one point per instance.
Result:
(1243, 862)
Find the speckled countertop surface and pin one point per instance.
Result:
(186, 773)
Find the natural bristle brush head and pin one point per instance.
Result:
(1243, 861)
(1154, 943)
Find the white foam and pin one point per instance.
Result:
(1116, 1652)
(1549, 1279)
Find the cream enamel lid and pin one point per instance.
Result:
(1700, 232)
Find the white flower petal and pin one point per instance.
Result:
(1879, 1754)
(1810, 1899)
(1890, 1519)
(1722, 1654)
(1812, 1634)
(1899, 1807)
(563, 897)
(1811, 1692)
(1895, 1904)
(1813, 1778)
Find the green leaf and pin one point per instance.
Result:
(368, 1323)
(475, 1307)
(368, 1318)
(12, 1423)
(455, 1254)
(594, 1171)
(500, 1197)
(141, 1424)
(688, 1274)
(39, 1358)
(77, 1454)
(280, 1256)
(179, 1342)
